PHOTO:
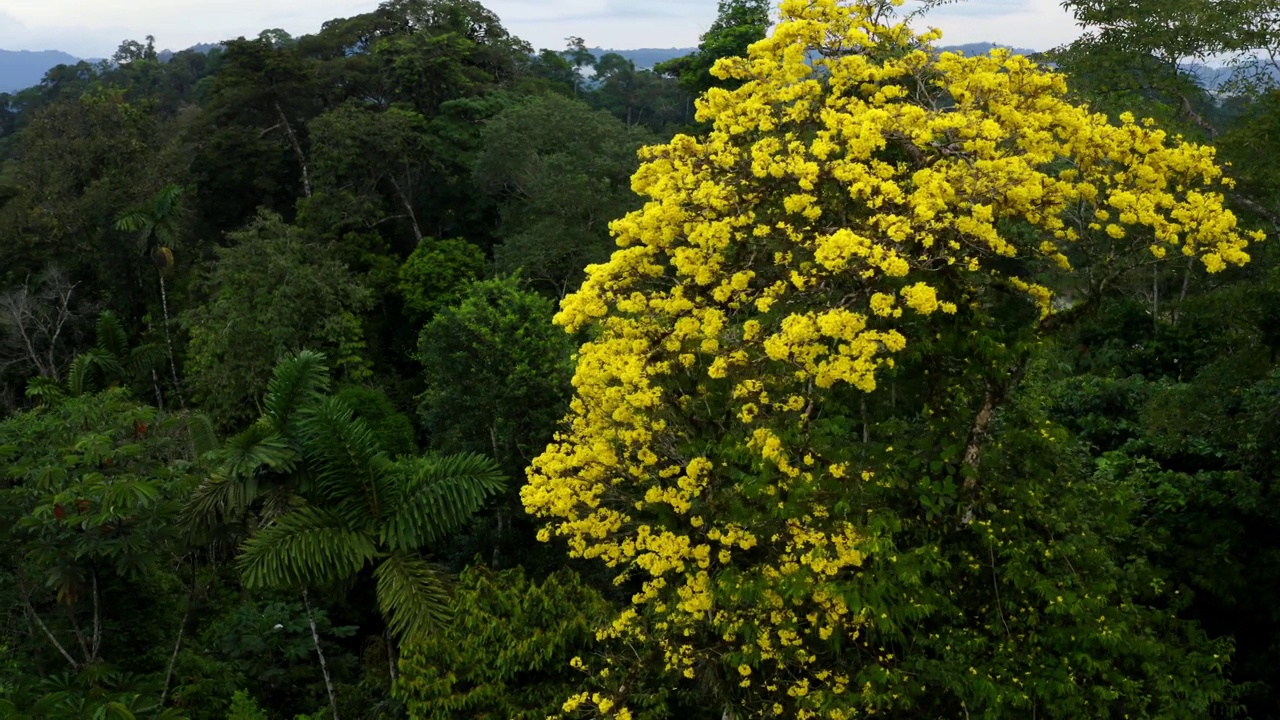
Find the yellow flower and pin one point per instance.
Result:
(839, 201)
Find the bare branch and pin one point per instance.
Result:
(35, 619)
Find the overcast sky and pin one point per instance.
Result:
(94, 28)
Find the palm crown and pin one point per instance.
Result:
(323, 501)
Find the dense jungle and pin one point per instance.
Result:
(405, 370)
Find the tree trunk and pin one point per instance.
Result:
(80, 638)
(155, 383)
(96, 644)
(168, 338)
(1186, 283)
(977, 438)
(1155, 295)
(391, 656)
(297, 150)
(173, 657)
(324, 667)
(408, 206)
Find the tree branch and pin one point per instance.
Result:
(297, 149)
(1257, 208)
(97, 621)
(34, 618)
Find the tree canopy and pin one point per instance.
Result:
(402, 369)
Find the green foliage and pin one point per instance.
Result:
(1050, 603)
(95, 693)
(1192, 435)
(560, 172)
(507, 653)
(393, 428)
(96, 483)
(335, 503)
(738, 24)
(244, 707)
(288, 193)
(262, 647)
(112, 362)
(271, 293)
(436, 273)
(496, 372)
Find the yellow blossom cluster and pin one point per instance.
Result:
(855, 180)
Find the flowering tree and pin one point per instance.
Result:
(863, 253)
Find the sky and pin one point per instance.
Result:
(94, 28)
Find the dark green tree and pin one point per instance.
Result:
(271, 293)
(738, 24)
(560, 173)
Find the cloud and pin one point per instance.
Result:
(1036, 24)
(982, 8)
(664, 9)
(607, 23)
(100, 25)
(78, 40)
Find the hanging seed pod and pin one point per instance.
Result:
(163, 258)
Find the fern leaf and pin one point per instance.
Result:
(145, 358)
(216, 500)
(204, 438)
(45, 390)
(256, 447)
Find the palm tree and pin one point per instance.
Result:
(111, 362)
(159, 226)
(321, 502)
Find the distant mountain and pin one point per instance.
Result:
(982, 48)
(646, 58)
(21, 69)
(206, 48)
(24, 68)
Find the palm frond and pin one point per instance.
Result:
(111, 335)
(256, 447)
(216, 500)
(306, 546)
(45, 390)
(277, 501)
(348, 465)
(145, 358)
(80, 374)
(134, 221)
(413, 596)
(438, 495)
(296, 379)
(204, 438)
(166, 201)
(90, 370)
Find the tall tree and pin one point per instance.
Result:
(94, 486)
(372, 155)
(270, 294)
(326, 502)
(799, 434)
(160, 226)
(560, 172)
(738, 24)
